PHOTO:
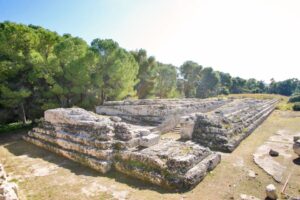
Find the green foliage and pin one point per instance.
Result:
(294, 98)
(208, 84)
(166, 82)
(296, 106)
(286, 87)
(147, 74)
(5, 128)
(238, 85)
(191, 73)
(119, 70)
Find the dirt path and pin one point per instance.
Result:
(44, 175)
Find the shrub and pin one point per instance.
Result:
(14, 127)
(295, 98)
(296, 106)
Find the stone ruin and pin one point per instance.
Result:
(225, 127)
(125, 136)
(296, 145)
(8, 190)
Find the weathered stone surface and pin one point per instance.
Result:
(164, 113)
(8, 190)
(248, 197)
(282, 142)
(224, 128)
(294, 198)
(187, 124)
(296, 145)
(85, 137)
(271, 192)
(172, 164)
(102, 142)
(149, 140)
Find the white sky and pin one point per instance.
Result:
(254, 38)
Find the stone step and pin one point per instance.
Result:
(68, 145)
(99, 165)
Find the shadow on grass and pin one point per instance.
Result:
(17, 146)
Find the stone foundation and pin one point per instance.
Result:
(103, 143)
(165, 114)
(127, 137)
(224, 128)
(171, 164)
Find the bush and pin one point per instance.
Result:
(296, 107)
(295, 98)
(4, 128)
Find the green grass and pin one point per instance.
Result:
(16, 126)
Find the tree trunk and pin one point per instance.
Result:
(23, 114)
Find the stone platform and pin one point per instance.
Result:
(224, 128)
(165, 114)
(171, 164)
(126, 136)
(103, 143)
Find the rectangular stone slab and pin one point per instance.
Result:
(171, 164)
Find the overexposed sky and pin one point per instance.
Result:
(255, 38)
(247, 38)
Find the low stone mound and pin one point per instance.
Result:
(171, 164)
(224, 128)
(8, 190)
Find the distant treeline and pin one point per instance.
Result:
(40, 69)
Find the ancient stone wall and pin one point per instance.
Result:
(224, 128)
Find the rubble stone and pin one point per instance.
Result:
(273, 153)
(149, 140)
(271, 192)
(8, 190)
(296, 145)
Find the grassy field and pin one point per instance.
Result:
(44, 175)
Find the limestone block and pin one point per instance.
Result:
(296, 147)
(171, 164)
(149, 140)
(187, 124)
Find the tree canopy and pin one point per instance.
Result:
(40, 69)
